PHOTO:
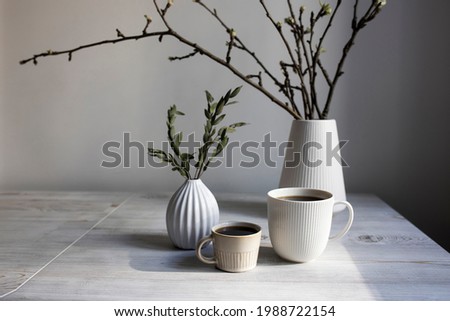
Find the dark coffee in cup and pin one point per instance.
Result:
(300, 198)
(237, 230)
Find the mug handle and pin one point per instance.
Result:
(198, 251)
(349, 222)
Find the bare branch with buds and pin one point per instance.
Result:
(300, 75)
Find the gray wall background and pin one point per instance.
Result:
(392, 103)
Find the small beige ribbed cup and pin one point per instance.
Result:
(300, 230)
(232, 253)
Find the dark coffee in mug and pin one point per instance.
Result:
(237, 230)
(300, 198)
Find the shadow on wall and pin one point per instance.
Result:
(398, 147)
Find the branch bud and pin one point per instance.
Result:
(119, 34)
(289, 20)
(327, 9)
(381, 3)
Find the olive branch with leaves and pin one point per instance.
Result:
(302, 35)
(214, 141)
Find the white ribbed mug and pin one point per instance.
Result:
(300, 229)
(236, 246)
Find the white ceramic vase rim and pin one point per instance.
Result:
(193, 180)
(315, 120)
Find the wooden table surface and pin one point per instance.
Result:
(114, 246)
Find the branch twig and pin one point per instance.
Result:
(357, 26)
(70, 52)
(304, 54)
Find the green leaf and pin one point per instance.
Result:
(159, 154)
(171, 132)
(219, 119)
(171, 112)
(225, 141)
(207, 145)
(177, 139)
(227, 96)
(220, 106)
(186, 157)
(201, 156)
(209, 97)
(205, 137)
(235, 92)
(208, 126)
(222, 132)
(232, 102)
(218, 150)
(175, 111)
(214, 139)
(235, 125)
(212, 108)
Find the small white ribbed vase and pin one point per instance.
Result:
(191, 213)
(310, 162)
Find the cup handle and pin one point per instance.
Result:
(198, 251)
(349, 222)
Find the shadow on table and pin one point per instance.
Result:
(156, 253)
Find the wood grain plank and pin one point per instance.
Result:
(129, 257)
(36, 226)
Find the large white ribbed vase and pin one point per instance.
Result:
(191, 213)
(310, 161)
